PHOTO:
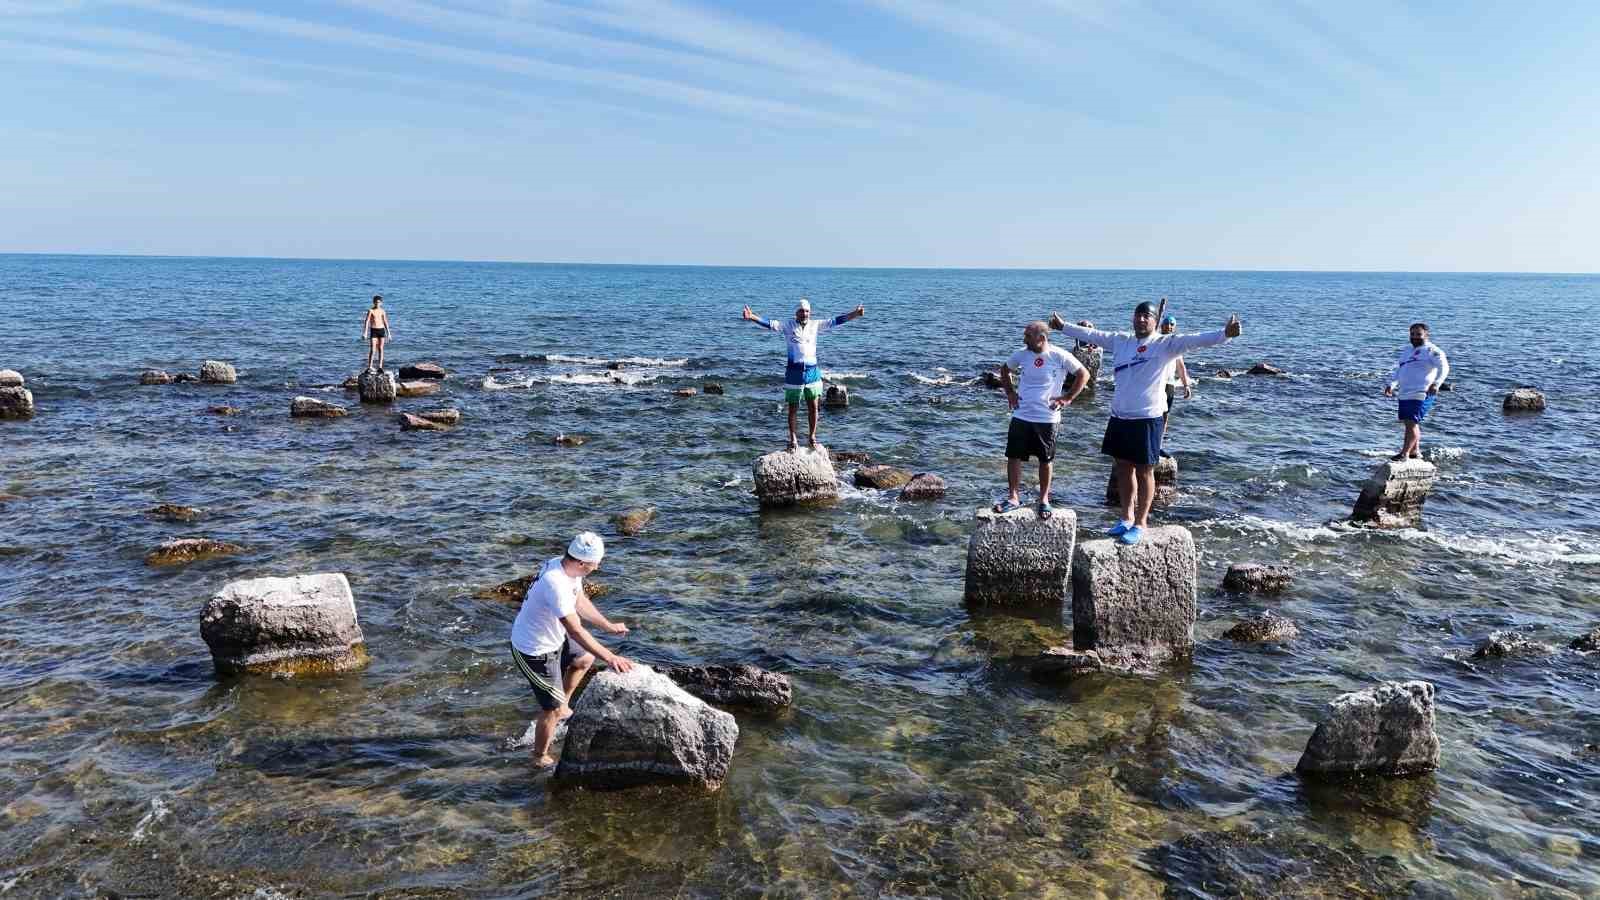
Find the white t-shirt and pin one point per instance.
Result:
(1139, 365)
(1040, 377)
(1417, 370)
(552, 597)
(802, 339)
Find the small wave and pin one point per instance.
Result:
(941, 380)
(626, 360)
(1289, 530)
(1437, 453)
(623, 379)
(844, 376)
(1529, 548)
(490, 383)
(158, 811)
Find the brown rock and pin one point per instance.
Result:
(312, 408)
(184, 550)
(923, 486)
(446, 416)
(422, 372)
(417, 388)
(224, 410)
(570, 440)
(409, 422)
(1263, 368)
(1264, 628)
(172, 512)
(156, 376)
(881, 478)
(851, 457)
(685, 392)
(634, 520)
(711, 387)
(514, 590)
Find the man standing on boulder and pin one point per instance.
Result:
(1139, 361)
(802, 379)
(546, 628)
(1416, 378)
(1041, 370)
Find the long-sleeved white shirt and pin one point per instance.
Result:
(1418, 369)
(1139, 365)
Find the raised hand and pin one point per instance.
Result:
(1233, 328)
(1056, 322)
(750, 316)
(860, 310)
(1388, 390)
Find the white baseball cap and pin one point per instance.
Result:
(804, 304)
(587, 547)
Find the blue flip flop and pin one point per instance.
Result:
(1118, 530)
(1132, 535)
(1044, 510)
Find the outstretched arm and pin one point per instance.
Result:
(1080, 333)
(842, 318)
(1182, 342)
(587, 642)
(749, 316)
(591, 614)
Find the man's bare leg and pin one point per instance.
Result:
(372, 347)
(1013, 480)
(545, 728)
(1125, 488)
(811, 413)
(573, 676)
(381, 342)
(1045, 471)
(793, 412)
(1147, 493)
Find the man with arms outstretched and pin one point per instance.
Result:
(1416, 379)
(802, 379)
(1041, 370)
(1139, 362)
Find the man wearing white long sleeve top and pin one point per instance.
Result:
(1139, 362)
(1415, 379)
(802, 379)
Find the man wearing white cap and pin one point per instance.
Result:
(548, 624)
(802, 380)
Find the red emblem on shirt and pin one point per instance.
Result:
(1038, 361)
(1143, 347)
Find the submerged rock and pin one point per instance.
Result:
(1256, 578)
(11, 378)
(640, 729)
(224, 410)
(185, 550)
(1068, 662)
(1385, 730)
(312, 408)
(16, 403)
(853, 457)
(377, 387)
(1274, 864)
(711, 387)
(633, 521)
(445, 416)
(923, 486)
(795, 477)
(185, 378)
(302, 625)
(684, 392)
(738, 685)
(1224, 374)
(1394, 494)
(1017, 559)
(516, 589)
(416, 388)
(881, 478)
(1166, 473)
(1266, 627)
(155, 376)
(1265, 368)
(1524, 400)
(1136, 598)
(172, 512)
(409, 422)
(570, 440)
(990, 378)
(1503, 644)
(1587, 643)
(836, 396)
(214, 371)
(422, 372)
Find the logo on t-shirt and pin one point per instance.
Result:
(1038, 362)
(1143, 347)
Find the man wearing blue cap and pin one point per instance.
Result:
(802, 378)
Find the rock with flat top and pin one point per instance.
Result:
(445, 416)
(923, 486)
(422, 372)
(312, 408)
(1257, 578)
(1018, 559)
(1268, 627)
(516, 590)
(1394, 494)
(11, 378)
(16, 403)
(187, 550)
(795, 477)
(418, 388)
(301, 625)
(1385, 730)
(377, 387)
(156, 376)
(1166, 473)
(836, 396)
(214, 371)
(641, 729)
(409, 422)
(751, 687)
(881, 478)
(1524, 400)
(1136, 598)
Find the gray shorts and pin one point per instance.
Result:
(544, 673)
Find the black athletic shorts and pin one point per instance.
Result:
(1031, 439)
(544, 673)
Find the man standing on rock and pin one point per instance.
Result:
(1041, 369)
(546, 628)
(375, 331)
(1416, 379)
(802, 379)
(1139, 361)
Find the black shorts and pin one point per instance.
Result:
(1026, 439)
(1136, 440)
(379, 333)
(544, 673)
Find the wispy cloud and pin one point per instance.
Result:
(138, 63)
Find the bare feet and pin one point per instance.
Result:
(793, 445)
(813, 442)
(544, 762)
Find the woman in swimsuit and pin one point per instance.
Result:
(375, 331)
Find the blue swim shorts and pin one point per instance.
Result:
(1415, 410)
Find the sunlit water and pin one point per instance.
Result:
(919, 759)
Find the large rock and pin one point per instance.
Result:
(1166, 472)
(631, 522)
(639, 729)
(417, 388)
(217, 372)
(185, 550)
(10, 378)
(16, 403)
(1136, 598)
(1267, 627)
(422, 371)
(446, 416)
(312, 408)
(746, 686)
(794, 477)
(836, 396)
(377, 387)
(156, 376)
(1090, 356)
(923, 486)
(1394, 494)
(1386, 730)
(1504, 644)
(1523, 400)
(1017, 559)
(1256, 578)
(881, 478)
(302, 625)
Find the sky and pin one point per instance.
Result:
(1351, 135)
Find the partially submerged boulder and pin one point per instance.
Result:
(11, 378)
(1587, 643)
(1524, 399)
(740, 685)
(1394, 494)
(570, 440)
(312, 408)
(795, 477)
(1265, 368)
(409, 422)
(445, 416)
(631, 522)
(214, 371)
(1257, 578)
(641, 729)
(1017, 559)
(377, 387)
(301, 625)
(172, 512)
(685, 392)
(186, 550)
(426, 371)
(1385, 730)
(713, 388)
(1263, 628)
(836, 396)
(1224, 374)
(156, 376)
(881, 478)
(1166, 473)
(224, 410)
(1504, 644)
(923, 486)
(516, 589)
(16, 403)
(418, 388)
(1136, 598)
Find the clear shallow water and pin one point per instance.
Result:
(920, 759)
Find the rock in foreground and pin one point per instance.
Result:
(185, 550)
(881, 478)
(312, 408)
(1386, 730)
(795, 477)
(377, 387)
(217, 372)
(640, 729)
(1256, 578)
(303, 625)
(923, 486)
(1268, 627)
(740, 685)
(1394, 494)
(1018, 559)
(1524, 400)
(1136, 597)
(16, 403)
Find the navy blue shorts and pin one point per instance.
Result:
(1136, 440)
(1415, 410)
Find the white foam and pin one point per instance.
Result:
(844, 376)
(619, 379)
(626, 360)
(1530, 547)
(941, 380)
(1437, 453)
(1289, 530)
(490, 383)
(158, 811)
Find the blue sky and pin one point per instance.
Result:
(1040, 133)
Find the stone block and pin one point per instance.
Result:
(377, 387)
(795, 477)
(301, 625)
(1017, 559)
(1394, 494)
(1385, 730)
(1136, 596)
